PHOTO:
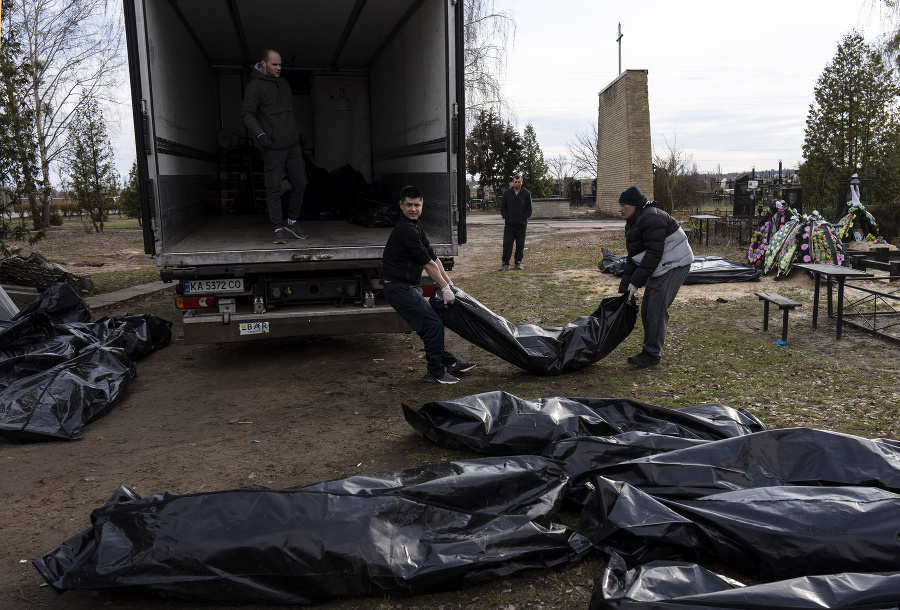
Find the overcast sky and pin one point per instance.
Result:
(730, 82)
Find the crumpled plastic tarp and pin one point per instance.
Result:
(665, 585)
(59, 372)
(542, 351)
(768, 532)
(785, 456)
(612, 263)
(718, 270)
(704, 269)
(499, 423)
(585, 456)
(370, 211)
(420, 530)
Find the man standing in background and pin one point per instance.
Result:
(268, 114)
(515, 208)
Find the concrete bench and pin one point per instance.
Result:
(784, 304)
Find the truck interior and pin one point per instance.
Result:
(376, 96)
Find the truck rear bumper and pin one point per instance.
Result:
(213, 328)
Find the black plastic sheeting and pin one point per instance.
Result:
(587, 455)
(329, 195)
(420, 530)
(542, 351)
(371, 211)
(769, 532)
(775, 503)
(704, 269)
(786, 456)
(717, 270)
(59, 372)
(663, 585)
(499, 423)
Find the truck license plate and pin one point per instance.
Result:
(216, 286)
(254, 328)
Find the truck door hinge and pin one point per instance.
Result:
(145, 124)
(157, 238)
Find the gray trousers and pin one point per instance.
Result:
(658, 296)
(278, 162)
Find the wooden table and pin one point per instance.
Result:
(832, 271)
(707, 218)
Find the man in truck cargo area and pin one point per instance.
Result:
(515, 208)
(406, 254)
(268, 114)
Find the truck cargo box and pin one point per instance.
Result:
(377, 88)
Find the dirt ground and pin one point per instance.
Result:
(274, 413)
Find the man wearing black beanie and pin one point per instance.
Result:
(659, 259)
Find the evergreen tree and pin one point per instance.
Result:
(94, 182)
(18, 166)
(493, 151)
(851, 127)
(534, 171)
(130, 197)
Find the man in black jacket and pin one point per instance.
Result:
(268, 114)
(515, 208)
(659, 258)
(406, 254)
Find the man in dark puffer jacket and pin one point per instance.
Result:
(659, 258)
(268, 114)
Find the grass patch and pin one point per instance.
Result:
(114, 259)
(110, 281)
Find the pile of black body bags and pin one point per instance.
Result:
(59, 371)
(659, 489)
(813, 512)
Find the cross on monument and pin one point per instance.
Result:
(619, 40)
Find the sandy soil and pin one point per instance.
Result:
(320, 408)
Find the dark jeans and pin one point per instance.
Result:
(513, 233)
(412, 307)
(278, 162)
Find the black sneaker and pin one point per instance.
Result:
(294, 230)
(279, 237)
(460, 367)
(447, 378)
(519, 266)
(643, 360)
(504, 267)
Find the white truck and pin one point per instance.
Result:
(377, 87)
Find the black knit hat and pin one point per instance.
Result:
(633, 197)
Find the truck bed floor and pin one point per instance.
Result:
(236, 232)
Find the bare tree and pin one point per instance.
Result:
(676, 181)
(488, 33)
(887, 12)
(74, 49)
(562, 169)
(584, 152)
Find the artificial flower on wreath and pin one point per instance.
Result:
(757, 251)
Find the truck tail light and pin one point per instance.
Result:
(194, 302)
